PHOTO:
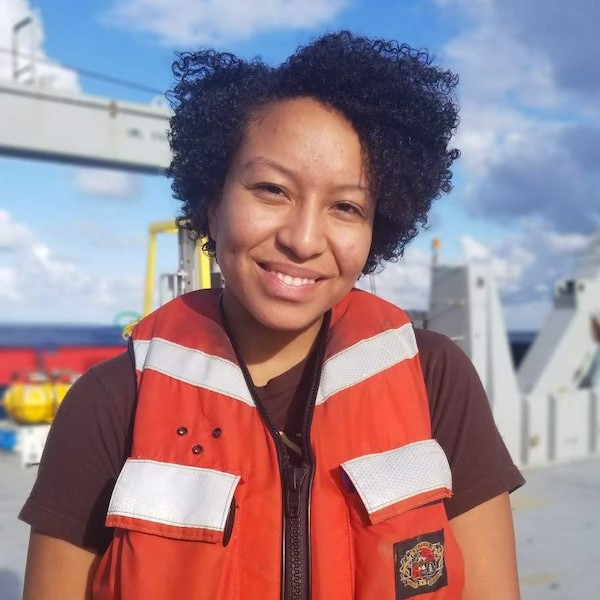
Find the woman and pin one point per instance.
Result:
(291, 436)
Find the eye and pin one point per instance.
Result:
(269, 189)
(348, 209)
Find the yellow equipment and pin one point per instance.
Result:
(194, 272)
(194, 265)
(36, 400)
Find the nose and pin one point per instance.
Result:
(303, 231)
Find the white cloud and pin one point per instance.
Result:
(497, 75)
(473, 250)
(509, 260)
(184, 23)
(566, 33)
(13, 235)
(102, 236)
(566, 242)
(8, 284)
(47, 73)
(37, 284)
(106, 183)
(528, 131)
(500, 65)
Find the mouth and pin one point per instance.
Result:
(292, 275)
(293, 281)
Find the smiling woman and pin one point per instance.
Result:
(289, 437)
(292, 227)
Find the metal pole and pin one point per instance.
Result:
(150, 268)
(204, 270)
(17, 27)
(187, 250)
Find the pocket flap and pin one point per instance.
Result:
(171, 500)
(398, 480)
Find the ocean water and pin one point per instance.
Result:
(48, 336)
(27, 335)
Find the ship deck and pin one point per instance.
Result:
(556, 519)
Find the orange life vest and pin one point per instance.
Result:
(199, 510)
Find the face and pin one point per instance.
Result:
(294, 223)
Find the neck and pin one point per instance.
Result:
(267, 352)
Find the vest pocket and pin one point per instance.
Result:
(401, 543)
(173, 501)
(396, 481)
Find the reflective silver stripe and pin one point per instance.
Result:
(365, 359)
(193, 367)
(173, 494)
(389, 477)
(140, 349)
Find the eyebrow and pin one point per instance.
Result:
(259, 161)
(269, 163)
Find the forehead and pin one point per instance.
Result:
(304, 134)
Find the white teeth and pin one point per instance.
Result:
(294, 281)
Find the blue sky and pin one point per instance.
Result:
(72, 240)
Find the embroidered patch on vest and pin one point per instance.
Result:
(419, 565)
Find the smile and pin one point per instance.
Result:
(293, 281)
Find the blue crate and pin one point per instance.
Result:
(8, 439)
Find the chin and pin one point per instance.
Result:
(287, 323)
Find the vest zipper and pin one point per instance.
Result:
(296, 480)
(297, 584)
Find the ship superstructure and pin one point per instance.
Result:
(549, 409)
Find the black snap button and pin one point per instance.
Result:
(217, 432)
(182, 430)
(197, 449)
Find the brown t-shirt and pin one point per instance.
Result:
(90, 439)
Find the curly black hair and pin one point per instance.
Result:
(402, 107)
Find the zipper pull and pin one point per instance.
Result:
(293, 478)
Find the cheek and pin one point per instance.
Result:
(239, 233)
(353, 253)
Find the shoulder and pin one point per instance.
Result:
(108, 388)
(437, 349)
(99, 405)
(84, 453)
(452, 383)
(463, 425)
(444, 364)
(115, 375)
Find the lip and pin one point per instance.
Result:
(276, 288)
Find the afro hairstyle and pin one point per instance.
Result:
(402, 107)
